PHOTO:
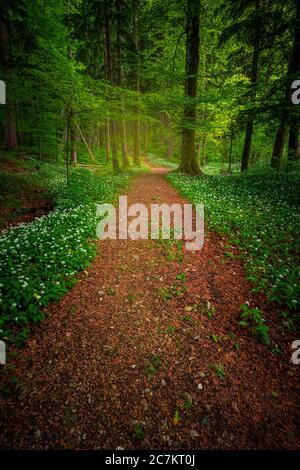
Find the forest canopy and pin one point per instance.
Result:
(111, 80)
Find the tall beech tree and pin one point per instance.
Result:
(136, 77)
(110, 78)
(189, 162)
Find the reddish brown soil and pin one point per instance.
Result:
(83, 380)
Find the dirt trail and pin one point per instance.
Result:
(118, 365)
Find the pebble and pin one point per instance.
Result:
(101, 293)
(200, 387)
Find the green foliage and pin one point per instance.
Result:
(253, 318)
(259, 214)
(138, 431)
(219, 370)
(39, 260)
(153, 366)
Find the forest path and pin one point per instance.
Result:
(117, 364)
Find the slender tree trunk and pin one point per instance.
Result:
(109, 76)
(293, 145)
(188, 154)
(125, 162)
(107, 141)
(136, 123)
(10, 127)
(73, 145)
(119, 81)
(250, 121)
(202, 159)
(145, 138)
(170, 148)
(114, 146)
(230, 150)
(169, 137)
(278, 147)
(68, 144)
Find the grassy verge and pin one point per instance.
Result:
(259, 212)
(39, 260)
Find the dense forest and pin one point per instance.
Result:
(137, 342)
(110, 81)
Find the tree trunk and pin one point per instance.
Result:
(125, 162)
(136, 123)
(119, 81)
(170, 148)
(145, 138)
(109, 77)
(250, 121)
(293, 146)
(73, 145)
(114, 146)
(278, 147)
(106, 141)
(230, 150)
(188, 154)
(10, 127)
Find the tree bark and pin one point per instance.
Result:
(230, 149)
(293, 145)
(119, 81)
(109, 77)
(250, 121)
(73, 145)
(278, 147)
(188, 152)
(107, 141)
(10, 142)
(136, 123)
(125, 162)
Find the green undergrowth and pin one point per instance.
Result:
(39, 261)
(259, 213)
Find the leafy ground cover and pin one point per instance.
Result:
(39, 260)
(259, 213)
